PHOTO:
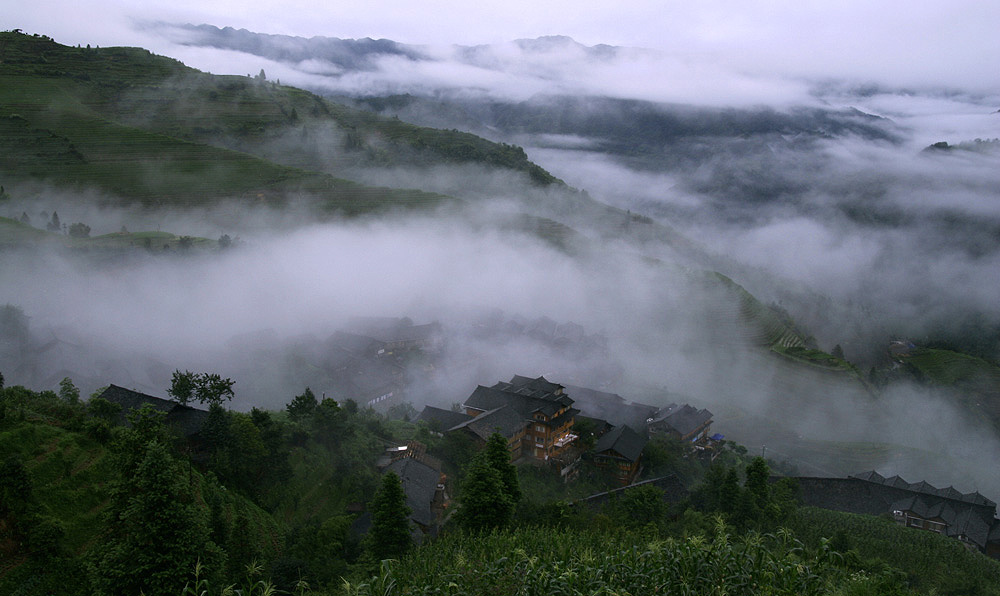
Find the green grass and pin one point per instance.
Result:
(816, 358)
(68, 473)
(932, 562)
(950, 368)
(147, 129)
(976, 381)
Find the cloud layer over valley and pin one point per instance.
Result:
(785, 148)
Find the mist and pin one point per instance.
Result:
(257, 312)
(831, 210)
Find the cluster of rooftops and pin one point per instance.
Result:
(538, 419)
(538, 416)
(968, 517)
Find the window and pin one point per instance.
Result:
(539, 428)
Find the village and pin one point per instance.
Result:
(560, 428)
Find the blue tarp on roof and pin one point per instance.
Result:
(717, 437)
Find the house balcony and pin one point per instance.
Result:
(564, 440)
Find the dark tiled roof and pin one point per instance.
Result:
(924, 488)
(186, 419)
(685, 419)
(870, 493)
(633, 414)
(592, 400)
(673, 489)
(870, 476)
(440, 419)
(419, 483)
(995, 531)
(504, 420)
(388, 329)
(489, 398)
(897, 482)
(355, 343)
(967, 523)
(601, 425)
(610, 406)
(540, 387)
(622, 440)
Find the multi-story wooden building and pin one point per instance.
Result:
(544, 408)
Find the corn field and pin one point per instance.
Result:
(931, 561)
(547, 562)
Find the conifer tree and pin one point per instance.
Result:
(498, 456)
(156, 534)
(389, 536)
(485, 502)
(757, 485)
(302, 406)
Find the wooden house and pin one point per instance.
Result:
(686, 423)
(426, 495)
(620, 450)
(545, 410)
(185, 420)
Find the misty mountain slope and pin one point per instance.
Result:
(649, 133)
(296, 128)
(640, 130)
(14, 233)
(173, 137)
(91, 110)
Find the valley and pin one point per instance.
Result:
(807, 272)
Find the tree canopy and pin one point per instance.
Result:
(389, 536)
(491, 489)
(207, 388)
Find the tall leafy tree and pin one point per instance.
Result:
(68, 392)
(182, 386)
(207, 388)
(389, 536)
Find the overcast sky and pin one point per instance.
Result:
(914, 43)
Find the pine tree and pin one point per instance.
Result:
(485, 501)
(498, 455)
(302, 406)
(757, 486)
(389, 536)
(155, 534)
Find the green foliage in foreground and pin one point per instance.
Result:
(930, 561)
(549, 562)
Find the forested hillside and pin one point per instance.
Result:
(145, 128)
(268, 501)
(155, 217)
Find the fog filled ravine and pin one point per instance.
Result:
(694, 244)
